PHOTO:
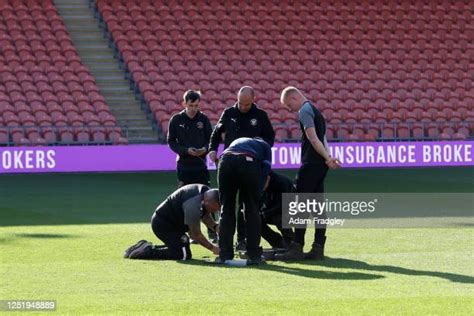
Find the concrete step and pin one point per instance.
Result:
(124, 105)
(88, 38)
(89, 41)
(111, 84)
(109, 78)
(83, 3)
(88, 28)
(97, 58)
(70, 5)
(92, 28)
(142, 125)
(105, 67)
(138, 131)
(122, 98)
(115, 90)
(92, 48)
(128, 114)
(131, 113)
(99, 37)
(73, 10)
(137, 134)
(73, 17)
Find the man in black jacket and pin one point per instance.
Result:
(243, 119)
(188, 136)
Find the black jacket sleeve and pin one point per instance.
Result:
(279, 184)
(172, 138)
(216, 137)
(207, 132)
(268, 132)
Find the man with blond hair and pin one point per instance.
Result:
(315, 162)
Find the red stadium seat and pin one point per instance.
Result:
(388, 132)
(295, 132)
(4, 139)
(403, 131)
(66, 136)
(281, 133)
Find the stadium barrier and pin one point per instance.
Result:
(141, 158)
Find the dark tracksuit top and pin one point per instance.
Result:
(271, 209)
(181, 205)
(272, 197)
(235, 124)
(183, 133)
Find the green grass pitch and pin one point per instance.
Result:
(62, 238)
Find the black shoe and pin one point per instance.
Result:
(132, 248)
(241, 245)
(294, 253)
(192, 241)
(316, 253)
(142, 252)
(256, 261)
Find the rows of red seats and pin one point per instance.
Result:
(357, 61)
(46, 95)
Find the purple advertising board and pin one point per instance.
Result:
(131, 158)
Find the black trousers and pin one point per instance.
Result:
(187, 175)
(275, 239)
(176, 242)
(239, 174)
(310, 179)
(241, 232)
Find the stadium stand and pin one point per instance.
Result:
(46, 95)
(379, 70)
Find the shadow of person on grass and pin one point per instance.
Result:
(8, 238)
(342, 263)
(44, 235)
(307, 273)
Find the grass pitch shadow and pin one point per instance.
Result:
(342, 263)
(44, 236)
(307, 273)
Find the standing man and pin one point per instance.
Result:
(188, 136)
(315, 161)
(243, 119)
(243, 169)
(180, 213)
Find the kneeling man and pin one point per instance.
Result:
(180, 213)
